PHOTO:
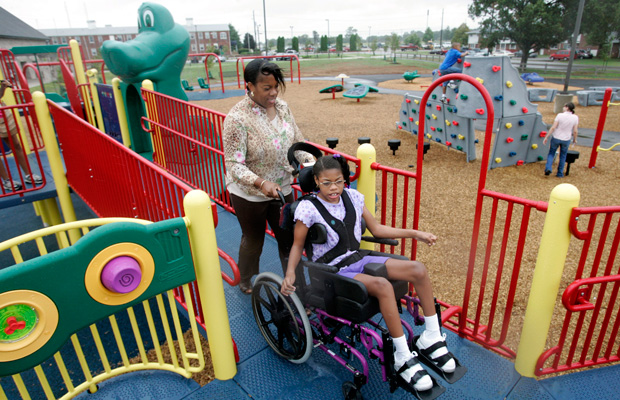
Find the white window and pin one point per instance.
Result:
(193, 47)
(214, 35)
(100, 38)
(202, 47)
(223, 35)
(63, 40)
(192, 36)
(54, 40)
(93, 52)
(91, 39)
(200, 35)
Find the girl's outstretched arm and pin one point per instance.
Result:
(383, 231)
(301, 231)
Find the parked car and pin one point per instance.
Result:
(532, 54)
(561, 55)
(438, 51)
(222, 57)
(503, 53)
(584, 54)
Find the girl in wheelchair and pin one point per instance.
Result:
(346, 208)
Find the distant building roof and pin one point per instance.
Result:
(15, 28)
(122, 30)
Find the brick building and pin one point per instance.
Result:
(92, 37)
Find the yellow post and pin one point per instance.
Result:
(120, 111)
(158, 146)
(53, 155)
(92, 79)
(201, 229)
(547, 275)
(78, 66)
(366, 182)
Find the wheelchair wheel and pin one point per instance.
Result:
(281, 319)
(350, 391)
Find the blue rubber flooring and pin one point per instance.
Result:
(262, 374)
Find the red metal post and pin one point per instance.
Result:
(599, 128)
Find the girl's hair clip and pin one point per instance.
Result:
(336, 156)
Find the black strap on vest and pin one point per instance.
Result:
(344, 229)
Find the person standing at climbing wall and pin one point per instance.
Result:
(451, 65)
(563, 127)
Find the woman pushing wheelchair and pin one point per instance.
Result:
(341, 210)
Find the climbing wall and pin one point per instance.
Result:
(442, 124)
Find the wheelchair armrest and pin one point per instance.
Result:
(321, 267)
(376, 269)
(372, 239)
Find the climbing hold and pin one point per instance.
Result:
(416, 101)
(455, 110)
(520, 162)
(512, 153)
(458, 60)
(508, 84)
(540, 158)
(400, 127)
(407, 101)
(404, 112)
(496, 68)
(476, 141)
(448, 123)
(453, 136)
(417, 122)
(449, 109)
(508, 125)
(498, 160)
(415, 132)
(434, 96)
(524, 109)
(414, 111)
(459, 148)
(455, 123)
(428, 116)
(466, 64)
(404, 123)
(480, 111)
(509, 140)
(499, 98)
(456, 90)
(461, 137)
(448, 143)
(542, 133)
(438, 140)
(428, 135)
(524, 137)
(463, 97)
(438, 108)
(534, 146)
(521, 122)
(433, 128)
(434, 116)
(411, 119)
(513, 102)
(428, 104)
(480, 80)
(439, 129)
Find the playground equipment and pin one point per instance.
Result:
(358, 92)
(411, 75)
(521, 130)
(541, 94)
(338, 302)
(186, 85)
(331, 142)
(394, 144)
(600, 126)
(202, 83)
(532, 77)
(122, 266)
(332, 89)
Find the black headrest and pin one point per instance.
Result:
(305, 178)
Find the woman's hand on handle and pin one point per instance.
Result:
(288, 284)
(270, 189)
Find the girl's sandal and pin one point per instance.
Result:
(245, 287)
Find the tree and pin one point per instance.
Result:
(428, 36)
(295, 44)
(304, 39)
(339, 44)
(601, 18)
(394, 42)
(373, 45)
(531, 24)
(353, 40)
(460, 34)
(234, 35)
(350, 32)
(413, 39)
(249, 42)
(280, 45)
(315, 37)
(323, 43)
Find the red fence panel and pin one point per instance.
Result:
(590, 317)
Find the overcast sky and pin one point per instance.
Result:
(376, 17)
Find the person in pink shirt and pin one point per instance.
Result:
(563, 129)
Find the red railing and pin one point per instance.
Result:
(599, 128)
(290, 56)
(17, 167)
(219, 61)
(591, 320)
(187, 142)
(116, 182)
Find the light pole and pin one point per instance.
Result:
(291, 32)
(265, 22)
(258, 37)
(368, 39)
(328, 55)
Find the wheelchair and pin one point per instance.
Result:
(328, 308)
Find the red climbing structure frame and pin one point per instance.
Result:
(599, 128)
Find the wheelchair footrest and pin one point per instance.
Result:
(430, 394)
(451, 377)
